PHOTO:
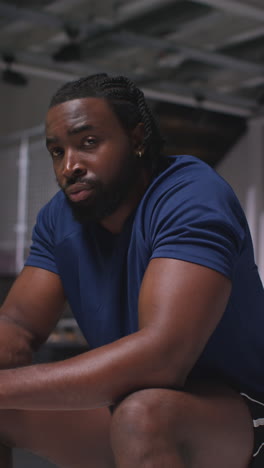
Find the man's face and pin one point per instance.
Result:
(93, 156)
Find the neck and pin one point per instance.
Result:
(115, 222)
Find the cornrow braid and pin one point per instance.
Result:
(128, 103)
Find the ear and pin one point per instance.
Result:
(137, 136)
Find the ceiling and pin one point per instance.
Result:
(200, 62)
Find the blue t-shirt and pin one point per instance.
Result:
(189, 213)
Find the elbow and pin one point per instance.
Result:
(169, 370)
(161, 363)
(23, 356)
(172, 374)
(16, 356)
(19, 356)
(16, 345)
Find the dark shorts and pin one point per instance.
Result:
(255, 404)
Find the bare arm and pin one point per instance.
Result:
(28, 314)
(180, 305)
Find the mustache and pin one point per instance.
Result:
(90, 183)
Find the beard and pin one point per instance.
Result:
(106, 197)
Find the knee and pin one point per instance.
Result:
(147, 414)
(146, 428)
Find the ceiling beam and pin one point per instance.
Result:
(132, 9)
(242, 37)
(26, 14)
(45, 67)
(190, 101)
(194, 26)
(202, 94)
(177, 95)
(52, 21)
(210, 58)
(236, 7)
(123, 13)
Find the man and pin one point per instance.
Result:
(155, 258)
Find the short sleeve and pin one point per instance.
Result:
(199, 219)
(42, 248)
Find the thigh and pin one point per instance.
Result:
(223, 429)
(70, 439)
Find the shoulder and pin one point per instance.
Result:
(191, 181)
(188, 170)
(189, 205)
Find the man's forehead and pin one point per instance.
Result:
(79, 111)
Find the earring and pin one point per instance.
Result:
(139, 154)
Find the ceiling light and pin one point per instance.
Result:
(11, 76)
(72, 51)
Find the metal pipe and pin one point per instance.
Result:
(236, 7)
(21, 226)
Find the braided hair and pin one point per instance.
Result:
(128, 103)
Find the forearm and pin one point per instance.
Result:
(15, 345)
(97, 378)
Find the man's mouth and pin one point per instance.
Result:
(79, 192)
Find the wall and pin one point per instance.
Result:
(243, 169)
(25, 107)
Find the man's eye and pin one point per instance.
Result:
(56, 153)
(89, 141)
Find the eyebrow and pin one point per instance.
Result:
(72, 131)
(79, 129)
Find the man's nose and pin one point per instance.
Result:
(73, 165)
